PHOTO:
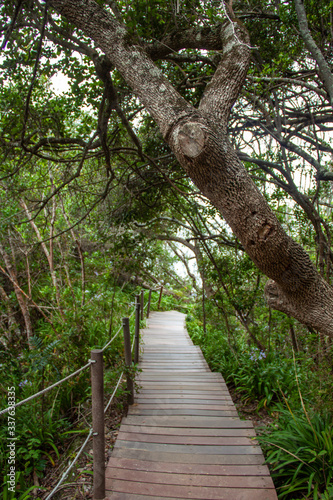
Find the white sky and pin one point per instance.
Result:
(59, 83)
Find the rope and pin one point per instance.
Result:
(114, 392)
(47, 388)
(116, 335)
(65, 474)
(131, 314)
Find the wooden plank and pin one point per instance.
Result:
(167, 356)
(152, 362)
(181, 431)
(184, 468)
(129, 496)
(171, 368)
(198, 493)
(160, 349)
(159, 374)
(188, 421)
(205, 382)
(177, 365)
(190, 449)
(179, 369)
(191, 480)
(189, 393)
(199, 398)
(181, 458)
(147, 385)
(184, 406)
(178, 439)
(182, 376)
(192, 412)
(185, 361)
(183, 399)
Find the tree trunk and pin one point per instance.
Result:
(198, 137)
(48, 253)
(18, 292)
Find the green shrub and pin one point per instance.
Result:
(299, 451)
(263, 376)
(254, 373)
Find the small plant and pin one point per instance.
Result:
(17, 492)
(261, 375)
(299, 451)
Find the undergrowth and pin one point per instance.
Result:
(298, 445)
(44, 425)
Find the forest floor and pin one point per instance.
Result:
(248, 409)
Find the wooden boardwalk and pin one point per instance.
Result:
(183, 438)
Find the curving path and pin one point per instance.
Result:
(183, 439)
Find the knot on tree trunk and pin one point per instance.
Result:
(191, 139)
(275, 297)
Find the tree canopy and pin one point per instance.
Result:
(164, 99)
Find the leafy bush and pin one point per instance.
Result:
(299, 451)
(263, 376)
(253, 372)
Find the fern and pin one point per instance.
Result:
(41, 355)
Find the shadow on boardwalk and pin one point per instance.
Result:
(183, 438)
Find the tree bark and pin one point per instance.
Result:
(18, 292)
(48, 253)
(198, 137)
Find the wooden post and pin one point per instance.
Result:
(137, 329)
(149, 301)
(128, 360)
(159, 300)
(142, 297)
(97, 403)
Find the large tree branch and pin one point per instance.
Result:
(224, 87)
(325, 71)
(208, 38)
(161, 100)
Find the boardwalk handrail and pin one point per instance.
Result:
(30, 398)
(97, 395)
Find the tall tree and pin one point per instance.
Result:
(199, 139)
(195, 126)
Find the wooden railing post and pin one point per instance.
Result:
(149, 301)
(142, 310)
(159, 300)
(97, 403)
(128, 360)
(137, 329)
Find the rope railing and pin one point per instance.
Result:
(114, 337)
(131, 314)
(97, 384)
(46, 389)
(67, 471)
(114, 392)
(71, 465)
